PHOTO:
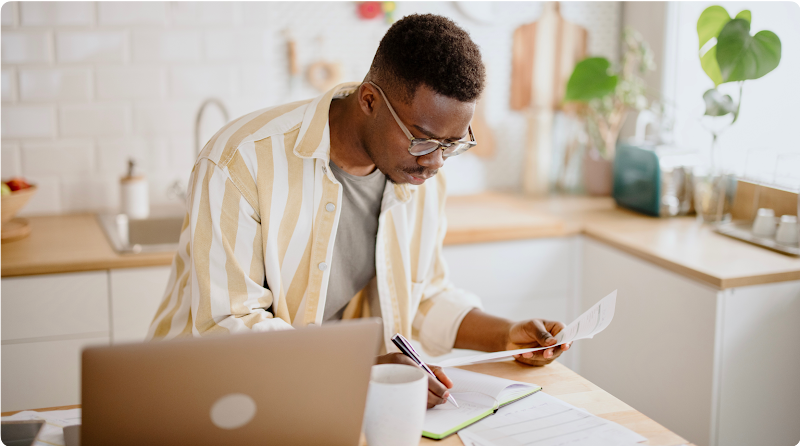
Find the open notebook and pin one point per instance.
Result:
(478, 396)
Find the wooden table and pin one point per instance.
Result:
(561, 382)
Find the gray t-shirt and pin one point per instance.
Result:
(353, 264)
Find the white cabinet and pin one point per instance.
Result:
(717, 367)
(135, 296)
(47, 320)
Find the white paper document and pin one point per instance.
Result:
(593, 321)
(543, 420)
(53, 431)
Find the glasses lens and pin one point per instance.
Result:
(419, 148)
(456, 149)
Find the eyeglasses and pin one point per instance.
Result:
(423, 146)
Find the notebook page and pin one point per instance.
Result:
(466, 381)
(445, 419)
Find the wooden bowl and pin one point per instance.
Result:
(13, 202)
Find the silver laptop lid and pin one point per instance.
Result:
(294, 387)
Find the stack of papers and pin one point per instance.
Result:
(544, 420)
(53, 431)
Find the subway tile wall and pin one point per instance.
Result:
(87, 85)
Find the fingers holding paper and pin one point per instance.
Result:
(536, 333)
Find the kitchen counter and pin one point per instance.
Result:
(71, 243)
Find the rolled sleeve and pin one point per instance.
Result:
(438, 326)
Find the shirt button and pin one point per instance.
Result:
(324, 170)
(323, 266)
(330, 207)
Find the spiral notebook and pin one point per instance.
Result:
(478, 396)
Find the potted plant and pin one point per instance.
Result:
(603, 95)
(728, 53)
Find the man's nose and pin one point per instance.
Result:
(433, 160)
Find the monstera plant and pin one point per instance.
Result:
(728, 53)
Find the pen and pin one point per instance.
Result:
(402, 343)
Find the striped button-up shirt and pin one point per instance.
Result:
(258, 237)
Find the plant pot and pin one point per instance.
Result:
(598, 174)
(713, 196)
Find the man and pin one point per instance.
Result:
(331, 209)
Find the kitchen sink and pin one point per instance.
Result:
(153, 234)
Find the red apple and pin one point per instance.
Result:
(17, 183)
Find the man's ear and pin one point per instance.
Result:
(367, 98)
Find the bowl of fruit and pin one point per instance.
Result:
(15, 194)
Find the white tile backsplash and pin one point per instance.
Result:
(11, 165)
(148, 82)
(94, 120)
(167, 46)
(27, 46)
(47, 199)
(132, 13)
(90, 46)
(165, 118)
(58, 158)
(127, 78)
(34, 13)
(8, 92)
(203, 13)
(8, 13)
(55, 84)
(90, 193)
(28, 121)
(202, 81)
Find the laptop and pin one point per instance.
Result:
(293, 387)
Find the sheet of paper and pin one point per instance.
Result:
(593, 321)
(53, 431)
(544, 420)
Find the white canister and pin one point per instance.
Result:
(396, 404)
(134, 196)
(765, 223)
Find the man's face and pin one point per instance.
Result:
(431, 116)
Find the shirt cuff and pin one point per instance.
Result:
(440, 325)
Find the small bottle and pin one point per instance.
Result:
(134, 194)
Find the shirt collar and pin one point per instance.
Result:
(314, 140)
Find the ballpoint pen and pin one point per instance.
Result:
(407, 349)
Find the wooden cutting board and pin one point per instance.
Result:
(544, 53)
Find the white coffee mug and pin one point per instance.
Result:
(396, 404)
(765, 223)
(787, 231)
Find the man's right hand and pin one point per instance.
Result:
(437, 388)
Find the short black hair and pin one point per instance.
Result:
(432, 50)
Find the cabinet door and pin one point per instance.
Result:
(43, 374)
(136, 294)
(658, 353)
(518, 279)
(74, 304)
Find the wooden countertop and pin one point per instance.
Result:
(561, 382)
(71, 243)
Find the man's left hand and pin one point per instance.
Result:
(536, 333)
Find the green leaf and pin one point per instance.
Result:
(743, 57)
(709, 63)
(745, 15)
(710, 23)
(718, 104)
(590, 80)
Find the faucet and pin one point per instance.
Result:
(206, 103)
(178, 189)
